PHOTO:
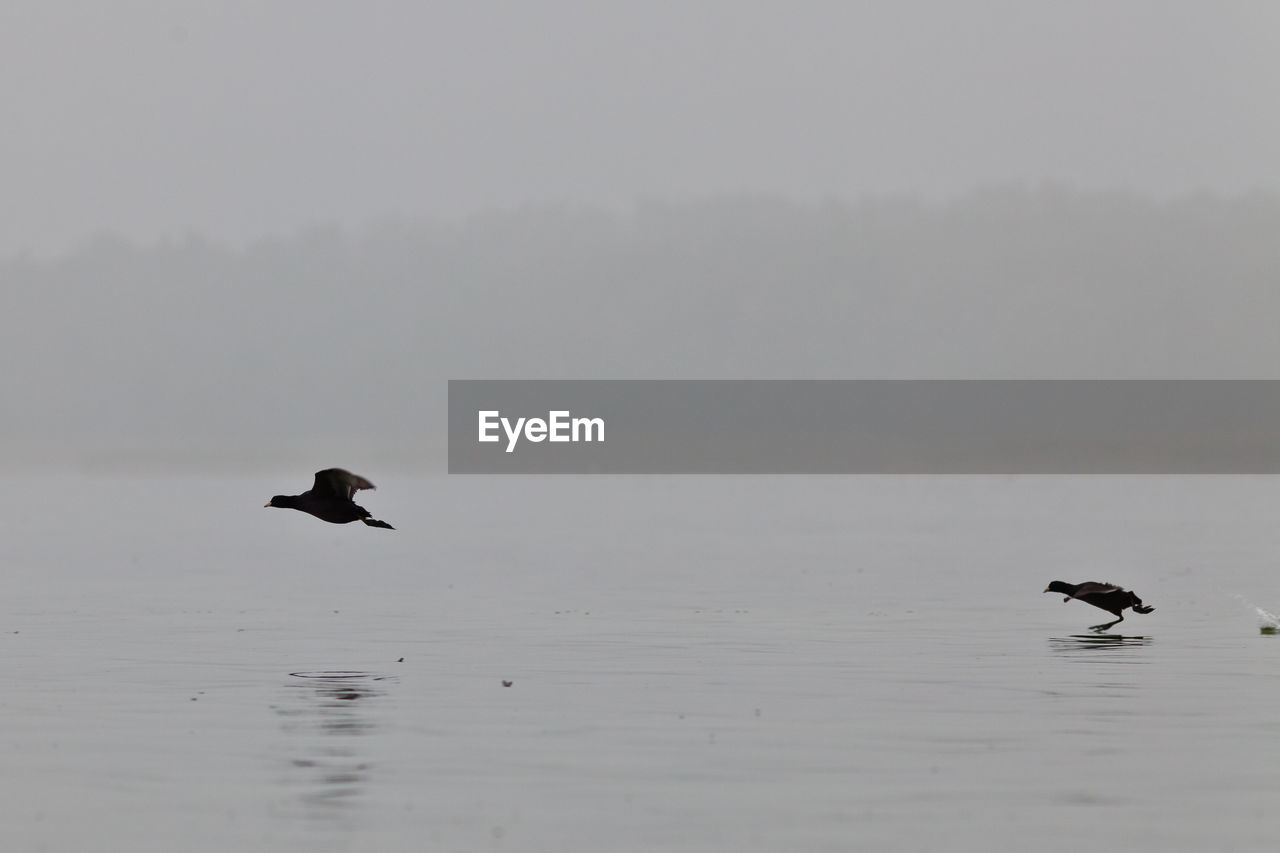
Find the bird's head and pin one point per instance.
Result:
(1059, 586)
(278, 500)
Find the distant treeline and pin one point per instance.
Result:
(334, 332)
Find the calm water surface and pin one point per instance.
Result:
(696, 664)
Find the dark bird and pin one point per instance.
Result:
(330, 499)
(1107, 596)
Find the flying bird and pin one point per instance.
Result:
(1107, 596)
(330, 499)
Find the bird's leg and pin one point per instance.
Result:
(1098, 629)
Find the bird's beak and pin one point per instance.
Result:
(1065, 600)
(268, 503)
(1046, 589)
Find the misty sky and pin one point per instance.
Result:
(237, 120)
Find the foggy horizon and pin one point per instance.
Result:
(332, 338)
(283, 226)
(154, 120)
(369, 229)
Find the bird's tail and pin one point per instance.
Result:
(1137, 608)
(373, 522)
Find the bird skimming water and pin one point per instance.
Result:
(1107, 596)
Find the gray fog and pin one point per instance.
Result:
(272, 231)
(336, 343)
(153, 119)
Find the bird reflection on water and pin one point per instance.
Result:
(327, 716)
(1094, 646)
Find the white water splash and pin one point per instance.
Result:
(1267, 620)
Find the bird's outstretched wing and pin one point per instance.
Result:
(339, 483)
